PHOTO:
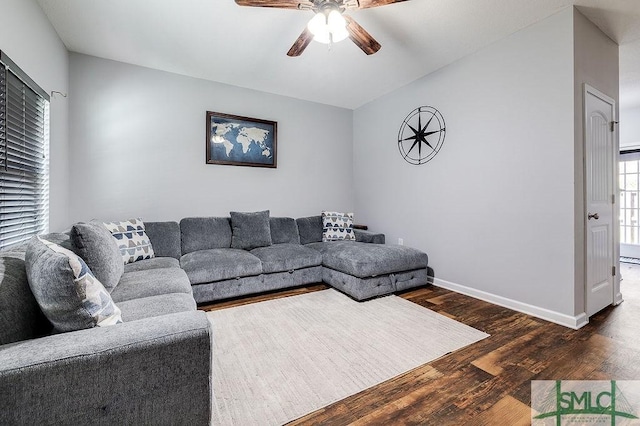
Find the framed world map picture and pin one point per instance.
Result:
(241, 141)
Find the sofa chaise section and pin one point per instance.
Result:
(367, 267)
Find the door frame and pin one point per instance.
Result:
(628, 250)
(615, 206)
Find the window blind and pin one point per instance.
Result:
(24, 156)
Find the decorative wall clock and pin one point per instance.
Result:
(421, 135)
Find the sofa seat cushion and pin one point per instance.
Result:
(286, 257)
(326, 246)
(205, 266)
(155, 306)
(153, 263)
(152, 282)
(369, 260)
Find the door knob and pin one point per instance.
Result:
(593, 216)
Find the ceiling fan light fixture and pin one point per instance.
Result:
(335, 21)
(329, 28)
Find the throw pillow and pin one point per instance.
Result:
(250, 230)
(337, 226)
(68, 293)
(132, 240)
(95, 245)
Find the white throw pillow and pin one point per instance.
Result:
(337, 226)
(132, 240)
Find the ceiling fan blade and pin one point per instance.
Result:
(301, 43)
(366, 4)
(361, 37)
(281, 4)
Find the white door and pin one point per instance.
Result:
(600, 200)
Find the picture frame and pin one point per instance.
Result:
(235, 140)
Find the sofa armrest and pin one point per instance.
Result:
(152, 371)
(368, 236)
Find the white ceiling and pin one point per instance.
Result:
(243, 46)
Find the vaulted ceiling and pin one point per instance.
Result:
(244, 46)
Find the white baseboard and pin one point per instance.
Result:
(618, 299)
(574, 322)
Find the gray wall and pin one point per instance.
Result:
(595, 64)
(28, 38)
(630, 127)
(495, 208)
(138, 148)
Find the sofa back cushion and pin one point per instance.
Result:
(95, 245)
(63, 239)
(284, 230)
(310, 229)
(165, 238)
(205, 233)
(20, 315)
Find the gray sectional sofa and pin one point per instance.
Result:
(155, 367)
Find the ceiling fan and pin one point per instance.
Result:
(329, 25)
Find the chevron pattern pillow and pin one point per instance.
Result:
(68, 293)
(337, 226)
(132, 240)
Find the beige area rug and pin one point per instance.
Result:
(278, 360)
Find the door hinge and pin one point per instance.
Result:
(613, 124)
(613, 198)
(613, 271)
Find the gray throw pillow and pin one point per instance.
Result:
(250, 230)
(68, 293)
(95, 245)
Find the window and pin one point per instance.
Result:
(24, 156)
(629, 197)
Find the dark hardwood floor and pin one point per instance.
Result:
(488, 383)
